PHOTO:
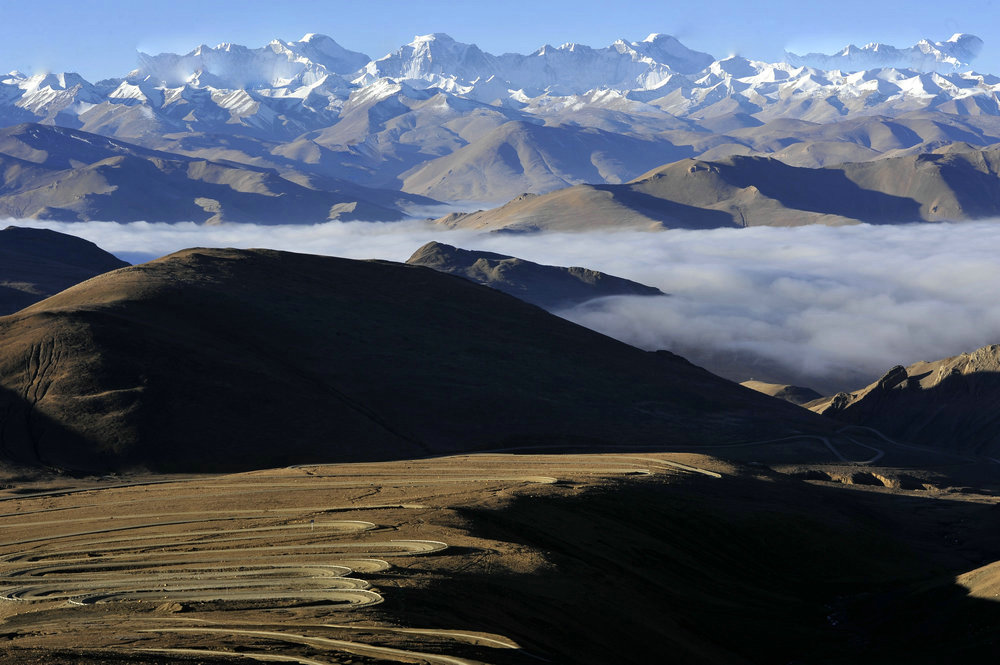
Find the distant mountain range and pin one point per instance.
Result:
(56, 173)
(284, 89)
(955, 53)
(952, 184)
(335, 132)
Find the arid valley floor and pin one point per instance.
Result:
(504, 558)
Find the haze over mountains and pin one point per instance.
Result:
(830, 308)
(953, 54)
(449, 121)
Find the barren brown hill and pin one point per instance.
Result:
(754, 191)
(793, 394)
(853, 139)
(525, 157)
(65, 174)
(236, 359)
(550, 287)
(949, 403)
(37, 263)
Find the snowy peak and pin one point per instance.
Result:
(961, 46)
(440, 37)
(440, 61)
(435, 58)
(324, 51)
(61, 81)
(233, 66)
(288, 88)
(956, 53)
(734, 66)
(667, 50)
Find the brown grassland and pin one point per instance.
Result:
(498, 558)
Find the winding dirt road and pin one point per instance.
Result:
(126, 567)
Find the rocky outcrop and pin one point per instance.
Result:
(549, 287)
(949, 403)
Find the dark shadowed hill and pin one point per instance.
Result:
(550, 287)
(37, 263)
(950, 403)
(754, 191)
(211, 358)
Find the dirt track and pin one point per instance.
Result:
(490, 558)
(267, 551)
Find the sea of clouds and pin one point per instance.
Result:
(831, 308)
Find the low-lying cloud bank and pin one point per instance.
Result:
(827, 307)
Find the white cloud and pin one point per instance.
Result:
(828, 307)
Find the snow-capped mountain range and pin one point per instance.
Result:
(286, 88)
(447, 120)
(951, 55)
(565, 70)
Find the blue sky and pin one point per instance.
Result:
(99, 38)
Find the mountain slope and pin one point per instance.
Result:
(387, 129)
(947, 403)
(277, 64)
(955, 53)
(69, 175)
(549, 287)
(793, 394)
(856, 139)
(246, 359)
(752, 191)
(37, 263)
(443, 62)
(524, 157)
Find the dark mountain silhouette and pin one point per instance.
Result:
(238, 359)
(38, 263)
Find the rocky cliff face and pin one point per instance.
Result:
(947, 403)
(549, 287)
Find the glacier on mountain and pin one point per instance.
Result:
(285, 90)
(954, 54)
(278, 65)
(440, 61)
